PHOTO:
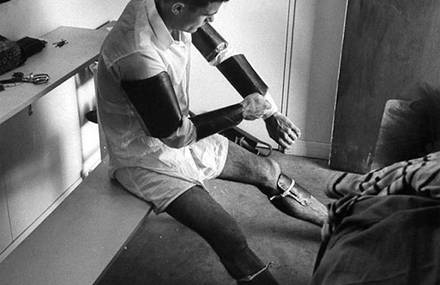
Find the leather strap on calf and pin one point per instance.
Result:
(287, 186)
(156, 104)
(249, 278)
(218, 120)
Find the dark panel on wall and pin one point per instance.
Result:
(390, 47)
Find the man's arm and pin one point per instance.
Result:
(239, 72)
(282, 130)
(157, 108)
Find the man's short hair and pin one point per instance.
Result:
(201, 3)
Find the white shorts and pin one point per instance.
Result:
(157, 189)
(205, 161)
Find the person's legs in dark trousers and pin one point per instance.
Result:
(200, 212)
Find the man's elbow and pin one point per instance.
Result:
(182, 136)
(179, 141)
(175, 143)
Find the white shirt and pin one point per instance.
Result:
(140, 46)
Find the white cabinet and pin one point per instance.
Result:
(5, 229)
(259, 30)
(40, 154)
(45, 144)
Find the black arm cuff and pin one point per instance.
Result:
(218, 120)
(236, 69)
(209, 42)
(242, 76)
(155, 103)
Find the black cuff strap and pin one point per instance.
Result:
(155, 103)
(218, 120)
(236, 69)
(242, 76)
(209, 42)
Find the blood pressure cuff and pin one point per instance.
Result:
(209, 42)
(157, 108)
(155, 103)
(218, 120)
(236, 69)
(242, 76)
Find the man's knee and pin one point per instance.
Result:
(270, 171)
(272, 167)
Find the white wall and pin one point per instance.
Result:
(262, 39)
(316, 52)
(19, 18)
(295, 46)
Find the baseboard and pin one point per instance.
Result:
(310, 149)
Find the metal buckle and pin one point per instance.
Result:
(251, 277)
(286, 187)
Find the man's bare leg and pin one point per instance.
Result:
(244, 166)
(200, 212)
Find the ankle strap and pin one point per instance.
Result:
(250, 277)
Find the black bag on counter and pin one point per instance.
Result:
(14, 54)
(10, 55)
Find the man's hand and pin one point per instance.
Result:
(254, 106)
(282, 130)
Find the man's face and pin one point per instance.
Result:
(190, 18)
